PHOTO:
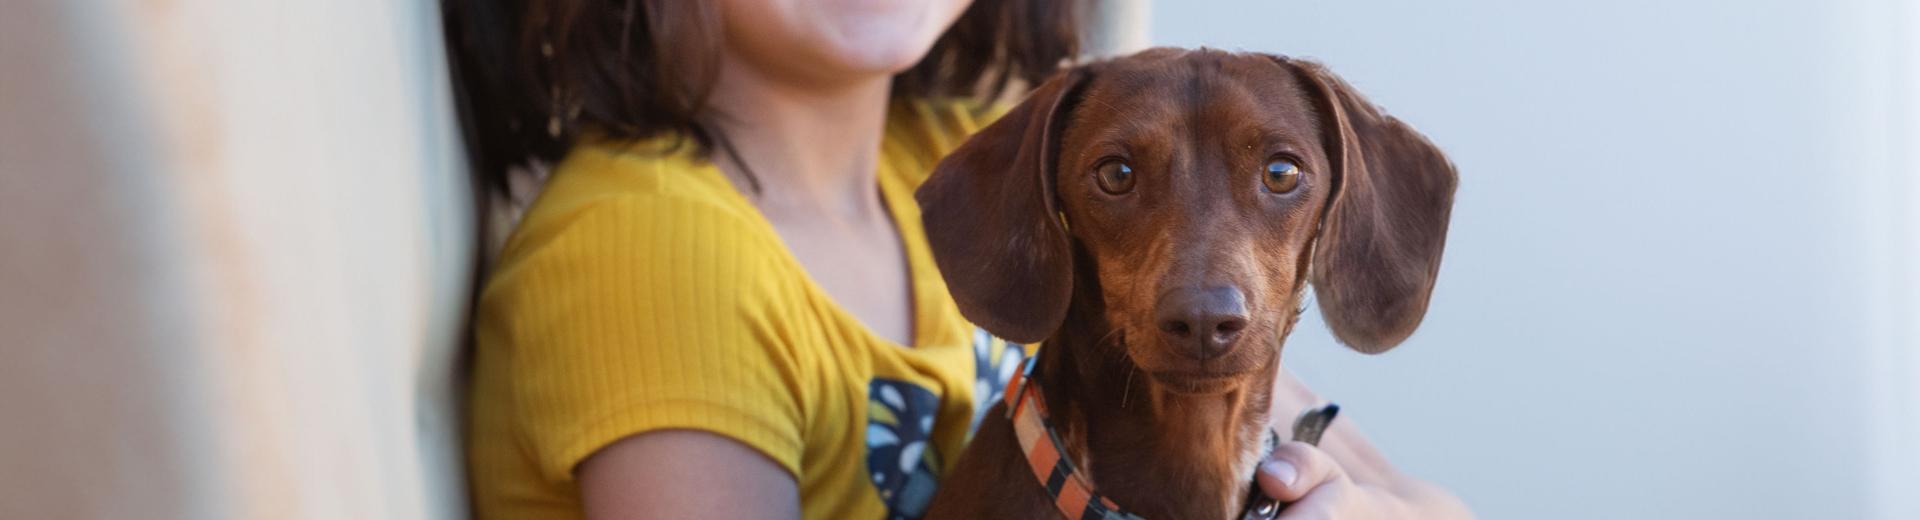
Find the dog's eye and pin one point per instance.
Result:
(1115, 177)
(1282, 176)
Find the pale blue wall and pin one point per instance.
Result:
(1674, 281)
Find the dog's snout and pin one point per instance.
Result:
(1205, 319)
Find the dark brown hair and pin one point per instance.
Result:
(531, 74)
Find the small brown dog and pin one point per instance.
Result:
(1154, 219)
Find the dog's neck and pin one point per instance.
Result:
(1157, 453)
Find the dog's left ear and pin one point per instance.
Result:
(991, 218)
(1386, 221)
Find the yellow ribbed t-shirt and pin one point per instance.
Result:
(642, 292)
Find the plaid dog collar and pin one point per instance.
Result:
(1071, 490)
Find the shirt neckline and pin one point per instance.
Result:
(903, 210)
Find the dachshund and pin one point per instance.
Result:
(1154, 221)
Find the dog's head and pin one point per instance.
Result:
(1196, 192)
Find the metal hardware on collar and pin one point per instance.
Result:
(1259, 506)
(1308, 428)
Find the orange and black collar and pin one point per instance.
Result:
(1072, 491)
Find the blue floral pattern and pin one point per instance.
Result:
(995, 362)
(901, 459)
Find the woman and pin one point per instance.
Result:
(722, 304)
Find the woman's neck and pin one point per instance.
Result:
(810, 147)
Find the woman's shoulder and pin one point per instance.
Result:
(643, 203)
(636, 295)
(643, 187)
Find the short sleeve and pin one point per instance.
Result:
(645, 313)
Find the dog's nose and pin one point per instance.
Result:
(1207, 319)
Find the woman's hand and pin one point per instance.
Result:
(1313, 485)
(1345, 477)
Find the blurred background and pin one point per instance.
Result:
(1681, 276)
(1682, 281)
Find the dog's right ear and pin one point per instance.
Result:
(991, 218)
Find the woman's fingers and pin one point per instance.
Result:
(1295, 469)
(1325, 503)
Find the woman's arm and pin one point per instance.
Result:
(1345, 476)
(684, 474)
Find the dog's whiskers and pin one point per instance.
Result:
(1112, 344)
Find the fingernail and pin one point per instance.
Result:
(1283, 470)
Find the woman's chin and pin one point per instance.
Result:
(881, 51)
(882, 64)
(838, 40)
